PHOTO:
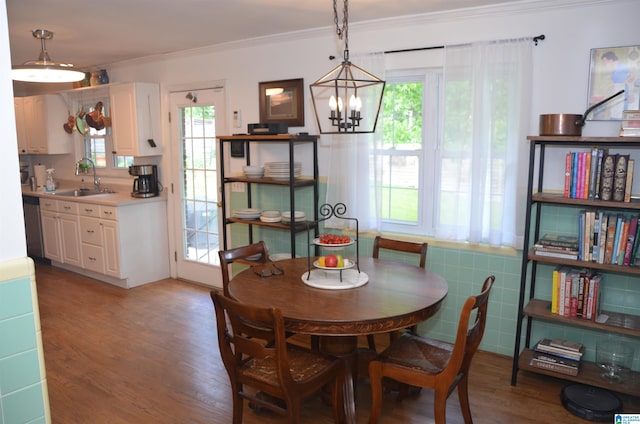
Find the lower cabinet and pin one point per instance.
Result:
(123, 245)
(61, 232)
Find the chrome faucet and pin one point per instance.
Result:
(82, 167)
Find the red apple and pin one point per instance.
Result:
(331, 261)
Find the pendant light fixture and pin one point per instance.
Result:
(44, 69)
(347, 99)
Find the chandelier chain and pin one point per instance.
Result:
(343, 32)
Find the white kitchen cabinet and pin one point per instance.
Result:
(124, 245)
(99, 234)
(135, 119)
(21, 130)
(61, 232)
(39, 125)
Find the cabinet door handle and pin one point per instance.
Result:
(88, 210)
(92, 258)
(67, 207)
(90, 231)
(108, 213)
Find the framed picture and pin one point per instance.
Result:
(282, 101)
(613, 69)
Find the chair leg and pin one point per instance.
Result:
(238, 407)
(294, 406)
(371, 341)
(375, 377)
(440, 406)
(463, 395)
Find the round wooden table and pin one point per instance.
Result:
(396, 296)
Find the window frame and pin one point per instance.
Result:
(432, 79)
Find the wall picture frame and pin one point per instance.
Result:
(282, 101)
(612, 69)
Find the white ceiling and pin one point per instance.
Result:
(90, 33)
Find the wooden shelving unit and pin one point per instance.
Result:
(531, 308)
(293, 184)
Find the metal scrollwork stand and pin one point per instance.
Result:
(326, 212)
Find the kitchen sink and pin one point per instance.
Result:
(80, 192)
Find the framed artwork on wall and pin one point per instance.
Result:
(613, 69)
(282, 101)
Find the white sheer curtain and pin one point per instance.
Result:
(487, 107)
(351, 173)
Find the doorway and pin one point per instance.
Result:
(197, 117)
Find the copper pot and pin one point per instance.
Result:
(566, 124)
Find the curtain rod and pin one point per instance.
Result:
(534, 39)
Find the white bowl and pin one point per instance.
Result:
(296, 215)
(271, 214)
(253, 169)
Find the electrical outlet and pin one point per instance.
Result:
(237, 187)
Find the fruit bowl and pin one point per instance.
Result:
(348, 263)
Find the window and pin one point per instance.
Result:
(98, 147)
(407, 163)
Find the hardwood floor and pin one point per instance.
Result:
(150, 355)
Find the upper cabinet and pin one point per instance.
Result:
(135, 119)
(39, 121)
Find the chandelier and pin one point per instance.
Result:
(44, 69)
(347, 99)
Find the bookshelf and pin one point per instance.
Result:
(531, 308)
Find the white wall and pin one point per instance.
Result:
(571, 28)
(12, 241)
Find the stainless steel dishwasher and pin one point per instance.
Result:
(33, 227)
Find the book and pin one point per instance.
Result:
(636, 243)
(601, 153)
(555, 278)
(592, 173)
(547, 357)
(606, 176)
(622, 246)
(611, 235)
(561, 347)
(631, 236)
(587, 175)
(558, 240)
(603, 237)
(567, 175)
(574, 174)
(555, 367)
(556, 254)
(629, 183)
(596, 235)
(619, 178)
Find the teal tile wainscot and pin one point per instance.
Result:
(23, 385)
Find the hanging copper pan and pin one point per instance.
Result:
(566, 124)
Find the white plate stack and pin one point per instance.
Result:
(280, 170)
(253, 171)
(298, 216)
(247, 213)
(270, 216)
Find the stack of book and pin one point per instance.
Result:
(630, 123)
(557, 246)
(598, 175)
(558, 355)
(576, 293)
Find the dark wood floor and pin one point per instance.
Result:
(150, 355)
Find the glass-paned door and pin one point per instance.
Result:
(196, 118)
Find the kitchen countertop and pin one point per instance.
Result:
(121, 197)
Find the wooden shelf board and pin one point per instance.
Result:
(297, 182)
(617, 322)
(589, 374)
(632, 270)
(302, 226)
(583, 140)
(556, 198)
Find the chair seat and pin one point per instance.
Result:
(418, 353)
(303, 364)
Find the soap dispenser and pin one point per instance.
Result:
(51, 185)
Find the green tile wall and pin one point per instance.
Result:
(22, 386)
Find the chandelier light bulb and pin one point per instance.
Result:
(333, 104)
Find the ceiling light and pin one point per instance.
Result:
(339, 96)
(44, 69)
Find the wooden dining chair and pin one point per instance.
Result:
(279, 370)
(252, 254)
(423, 362)
(398, 246)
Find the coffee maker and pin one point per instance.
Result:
(147, 184)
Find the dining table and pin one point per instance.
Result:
(372, 296)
